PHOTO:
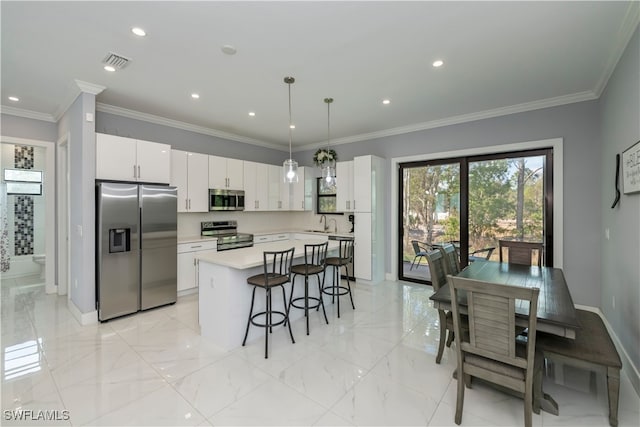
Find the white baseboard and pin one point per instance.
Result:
(186, 292)
(89, 318)
(627, 366)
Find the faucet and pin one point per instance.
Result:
(325, 221)
(335, 225)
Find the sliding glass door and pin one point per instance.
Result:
(474, 202)
(430, 213)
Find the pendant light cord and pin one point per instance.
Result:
(289, 83)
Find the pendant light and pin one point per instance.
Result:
(290, 166)
(329, 171)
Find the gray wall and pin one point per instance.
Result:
(620, 109)
(186, 140)
(82, 173)
(19, 127)
(577, 124)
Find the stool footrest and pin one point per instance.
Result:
(316, 300)
(267, 325)
(337, 290)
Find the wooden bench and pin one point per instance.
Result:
(592, 349)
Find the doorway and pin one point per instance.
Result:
(27, 213)
(473, 202)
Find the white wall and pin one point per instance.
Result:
(82, 170)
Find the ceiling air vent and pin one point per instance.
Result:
(116, 61)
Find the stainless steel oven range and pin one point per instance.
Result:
(227, 234)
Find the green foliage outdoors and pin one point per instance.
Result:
(505, 200)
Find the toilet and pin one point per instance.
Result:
(40, 260)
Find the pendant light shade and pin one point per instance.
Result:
(329, 170)
(290, 166)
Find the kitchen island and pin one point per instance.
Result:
(225, 296)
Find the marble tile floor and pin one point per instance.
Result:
(373, 366)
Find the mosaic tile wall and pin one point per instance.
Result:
(23, 207)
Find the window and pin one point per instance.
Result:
(325, 198)
(23, 182)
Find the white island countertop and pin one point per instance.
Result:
(244, 258)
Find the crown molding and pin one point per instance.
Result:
(454, 120)
(91, 88)
(27, 114)
(627, 28)
(132, 114)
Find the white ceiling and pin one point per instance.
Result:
(500, 57)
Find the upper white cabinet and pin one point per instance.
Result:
(302, 191)
(226, 173)
(278, 189)
(256, 186)
(344, 186)
(363, 181)
(190, 174)
(125, 159)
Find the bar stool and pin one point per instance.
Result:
(277, 272)
(315, 256)
(344, 258)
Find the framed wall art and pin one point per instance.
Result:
(631, 169)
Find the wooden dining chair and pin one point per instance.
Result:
(451, 260)
(436, 261)
(488, 348)
(521, 252)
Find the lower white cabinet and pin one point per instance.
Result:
(264, 238)
(188, 265)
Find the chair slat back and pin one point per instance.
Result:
(451, 261)
(437, 268)
(346, 249)
(524, 253)
(315, 254)
(491, 310)
(277, 262)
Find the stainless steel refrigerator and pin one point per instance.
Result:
(136, 247)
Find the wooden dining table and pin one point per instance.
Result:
(556, 312)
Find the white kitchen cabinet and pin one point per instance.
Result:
(362, 246)
(344, 186)
(188, 265)
(226, 174)
(302, 191)
(369, 227)
(190, 174)
(256, 186)
(264, 238)
(363, 180)
(126, 159)
(278, 189)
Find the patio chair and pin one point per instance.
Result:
(421, 251)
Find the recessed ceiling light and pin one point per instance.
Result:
(386, 101)
(292, 126)
(438, 63)
(228, 49)
(195, 96)
(109, 68)
(138, 31)
(14, 98)
(252, 114)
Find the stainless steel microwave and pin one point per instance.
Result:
(226, 200)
